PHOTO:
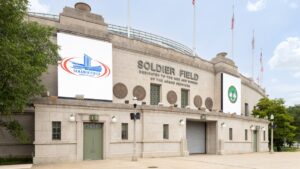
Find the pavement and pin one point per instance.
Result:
(284, 160)
(18, 166)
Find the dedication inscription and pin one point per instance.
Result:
(167, 74)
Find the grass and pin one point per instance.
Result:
(290, 149)
(15, 160)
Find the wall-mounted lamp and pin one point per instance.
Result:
(272, 117)
(203, 116)
(263, 129)
(223, 124)
(181, 122)
(134, 102)
(114, 119)
(252, 127)
(72, 118)
(79, 96)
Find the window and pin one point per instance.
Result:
(264, 135)
(124, 131)
(184, 98)
(166, 131)
(56, 130)
(154, 94)
(230, 133)
(246, 109)
(246, 134)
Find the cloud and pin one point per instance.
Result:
(293, 5)
(290, 92)
(256, 5)
(286, 56)
(36, 6)
(274, 80)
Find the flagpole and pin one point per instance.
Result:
(128, 18)
(232, 32)
(194, 29)
(253, 47)
(261, 67)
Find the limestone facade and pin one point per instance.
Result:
(129, 58)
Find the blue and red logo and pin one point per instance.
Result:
(89, 67)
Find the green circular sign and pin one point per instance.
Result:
(232, 94)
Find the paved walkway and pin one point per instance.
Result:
(286, 160)
(18, 166)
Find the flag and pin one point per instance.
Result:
(261, 62)
(261, 57)
(232, 22)
(253, 41)
(193, 2)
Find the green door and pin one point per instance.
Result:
(93, 141)
(255, 141)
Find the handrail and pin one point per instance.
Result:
(150, 38)
(135, 34)
(45, 15)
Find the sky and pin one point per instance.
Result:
(276, 25)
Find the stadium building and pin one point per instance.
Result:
(109, 90)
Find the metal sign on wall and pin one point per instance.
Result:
(231, 94)
(86, 67)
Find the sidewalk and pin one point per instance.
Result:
(286, 160)
(19, 166)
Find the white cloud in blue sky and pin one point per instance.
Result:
(287, 56)
(291, 3)
(37, 6)
(256, 5)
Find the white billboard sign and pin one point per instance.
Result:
(231, 94)
(86, 67)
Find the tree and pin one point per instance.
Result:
(294, 111)
(26, 51)
(284, 131)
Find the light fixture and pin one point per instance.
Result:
(272, 117)
(181, 122)
(79, 96)
(134, 102)
(223, 124)
(72, 118)
(263, 129)
(252, 127)
(203, 116)
(114, 119)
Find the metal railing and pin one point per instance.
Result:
(150, 38)
(44, 15)
(134, 34)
